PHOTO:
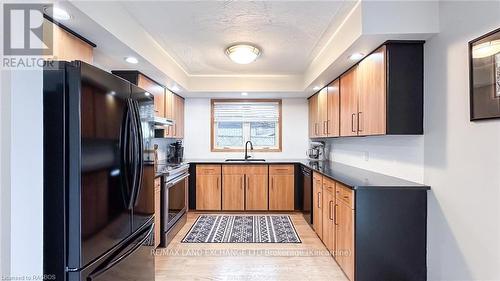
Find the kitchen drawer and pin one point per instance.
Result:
(344, 194)
(233, 169)
(256, 169)
(281, 169)
(329, 185)
(208, 169)
(237, 169)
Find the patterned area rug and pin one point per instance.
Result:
(242, 229)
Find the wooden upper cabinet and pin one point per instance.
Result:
(372, 94)
(175, 111)
(322, 113)
(169, 112)
(381, 95)
(179, 117)
(349, 103)
(67, 46)
(156, 90)
(313, 116)
(333, 116)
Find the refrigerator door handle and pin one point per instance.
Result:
(114, 261)
(125, 155)
(139, 154)
(133, 141)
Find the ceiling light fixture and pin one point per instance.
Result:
(243, 53)
(356, 56)
(244, 94)
(57, 13)
(131, 60)
(316, 88)
(486, 49)
(147, 94)
(175, 88)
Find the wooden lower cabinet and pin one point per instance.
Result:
(328, 215)
(281, 192)
(233, 192)
(256, 197)
(344, 234)
(317, 204)
(208, 192)
(157, 184)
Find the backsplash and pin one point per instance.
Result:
(162, 146)
(398, 156)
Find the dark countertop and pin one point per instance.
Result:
(353, 177)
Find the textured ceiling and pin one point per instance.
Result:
(196, 34)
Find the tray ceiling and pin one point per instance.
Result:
(196, 34)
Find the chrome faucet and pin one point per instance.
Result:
(246, 149)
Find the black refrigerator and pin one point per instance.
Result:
(95, 227)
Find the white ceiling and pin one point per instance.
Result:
(196, 33)
(305, 44)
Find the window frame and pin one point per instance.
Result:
(212, 123)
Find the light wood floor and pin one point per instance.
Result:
(308, 260)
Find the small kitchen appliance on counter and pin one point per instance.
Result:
(175, 152)
(316, 150)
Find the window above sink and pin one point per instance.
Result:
(233, 122)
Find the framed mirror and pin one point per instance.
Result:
(484, 72)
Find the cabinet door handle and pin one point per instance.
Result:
(335, 215)
(325, 128)
(242, 182)
(359, 121)
(248, 182)
(319, 200)
(331, 210)
(272, 182)
(352, 122)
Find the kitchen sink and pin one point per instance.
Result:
(245, 160)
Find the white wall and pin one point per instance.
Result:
(22, 174)
(399, 156)
(197, 130)
(462, 158)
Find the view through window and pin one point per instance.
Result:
(236, 121)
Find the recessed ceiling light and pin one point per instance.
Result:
(147, 94)
(356, 56)
(243, 53)
(316, 88)
(131, 60)
(57, 13)
(244, 94)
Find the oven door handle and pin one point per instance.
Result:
(177, 180)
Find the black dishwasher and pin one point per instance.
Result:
(307, 193)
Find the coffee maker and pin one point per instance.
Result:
(316, 150)
(175, 152)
